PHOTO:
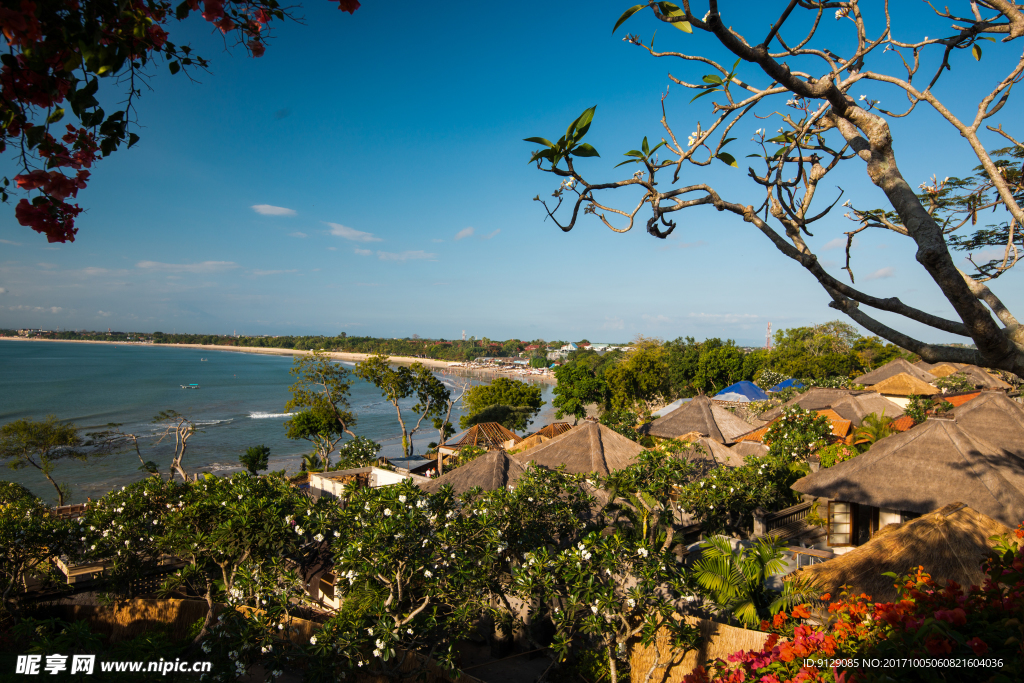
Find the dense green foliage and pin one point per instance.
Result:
(41, 444)
(510, 402)
(255, 458)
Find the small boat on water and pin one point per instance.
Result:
(189, 386)
(203, 359)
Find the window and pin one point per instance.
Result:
(841, 523)
(327, 586)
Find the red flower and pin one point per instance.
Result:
(955, 616)
(938, 645)
(800, 612)
(256, 47)
(213, 9)
(978, 645)
(779, 619)
(349, 6)
(158, 36)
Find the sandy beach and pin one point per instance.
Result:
(441, 365)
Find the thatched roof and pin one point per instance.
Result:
(554, 429)
(491, 471)
(903, 384)
(815, 398)
(943, 369)
(925, 468)
(894, 367)
(982, 379)
(996, 418)
(856, 408)
(744, 448)
(590, 447)
(530, 442)
(486, 435)
(699, 415)
(950, 544)
(713, 452)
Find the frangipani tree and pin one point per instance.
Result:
(811, 82)
(56, 55)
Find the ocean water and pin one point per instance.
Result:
(240, 403)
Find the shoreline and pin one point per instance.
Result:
(432, 363)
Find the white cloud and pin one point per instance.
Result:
(332, 249)
(260, 273)
(656, 319)
(36, 309)
(13, 244)
(105, 314)
(880, 274)
(268, 210)
(464, 233)
(48, 266)
(355, 235)
(363, 252)
(404, 255)
(300, 235)
(94, 271)
(838, 243)
(2, 290)
(613, 324)
(990, 254)
(490, 234)
(204, 267)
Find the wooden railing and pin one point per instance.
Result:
(783, 522)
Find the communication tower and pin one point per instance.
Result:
(463, 335)
(768, 338)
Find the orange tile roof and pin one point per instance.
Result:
(902, 424)
(755, 435)
(958, 401)
(841, 428)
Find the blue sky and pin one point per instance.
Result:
(368, 175)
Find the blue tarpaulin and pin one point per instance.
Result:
(786, 384)
(740, 391)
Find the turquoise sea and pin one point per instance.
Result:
(239, 404)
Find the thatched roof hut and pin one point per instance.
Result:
(485, 435)
(815, 398)
(943, 369)
(950, 544)
(925, 468)
(981, 379)
(856, 407)
(711, 452)
(928, 367)
(699, 415)
(997, 418)
(491, 471)
(744, 448)
(894, 367)
(552, 430)
(530, 442)
(590, 447)
(904, 384)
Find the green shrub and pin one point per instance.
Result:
(835, 454)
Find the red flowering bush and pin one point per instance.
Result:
(970, 634)
(56, 52)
